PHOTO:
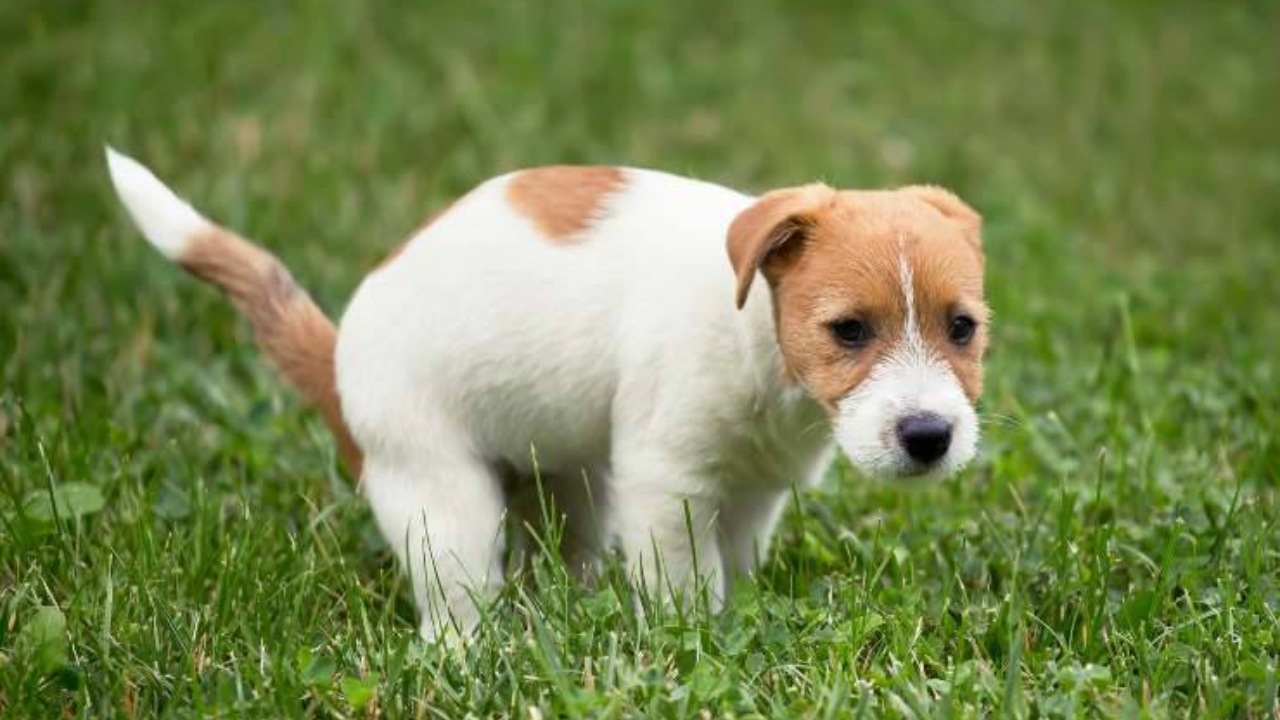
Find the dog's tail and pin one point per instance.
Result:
(289, 327)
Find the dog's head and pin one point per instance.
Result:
(878, 303)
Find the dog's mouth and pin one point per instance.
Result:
(894, 467)
(927, 472)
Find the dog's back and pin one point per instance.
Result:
(524, 337)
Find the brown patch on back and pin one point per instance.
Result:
(841, 261)
(563, 200)
(288, 325)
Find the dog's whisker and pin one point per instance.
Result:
(813, 426)
(992, 419)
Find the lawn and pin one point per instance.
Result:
(177, 539)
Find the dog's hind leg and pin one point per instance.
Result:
(443, 514)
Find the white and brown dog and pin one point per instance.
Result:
(591, 313)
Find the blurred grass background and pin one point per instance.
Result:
(1114, 552)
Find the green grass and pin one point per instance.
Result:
(1114, 552)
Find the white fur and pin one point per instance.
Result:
(910, 379)
(620, 358)
(166, 220)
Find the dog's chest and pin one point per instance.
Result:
(784, 440)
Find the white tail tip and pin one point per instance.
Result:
(166, 220)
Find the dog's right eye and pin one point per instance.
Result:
(851, 333)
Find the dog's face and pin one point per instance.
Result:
(878, 302)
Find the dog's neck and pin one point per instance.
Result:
(787, 436)
(774, 379)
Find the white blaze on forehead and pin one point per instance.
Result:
(913, 348)
(907, 283)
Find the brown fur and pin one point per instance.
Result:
(291, 329)
(950, 206)
(764, 228)
(833, 255)
(948, 278)
(563, 200)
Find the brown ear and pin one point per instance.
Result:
(953, 208)
(775, 219)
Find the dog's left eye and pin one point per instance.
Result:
(962, 329)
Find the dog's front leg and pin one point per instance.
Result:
(747, 522)
(664, 521)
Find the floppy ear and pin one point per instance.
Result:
(953, 208)
(777, 218)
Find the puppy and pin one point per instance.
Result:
(601, 330)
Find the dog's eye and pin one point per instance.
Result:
(962, 329)
(851, 333)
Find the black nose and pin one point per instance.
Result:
(925, 436)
